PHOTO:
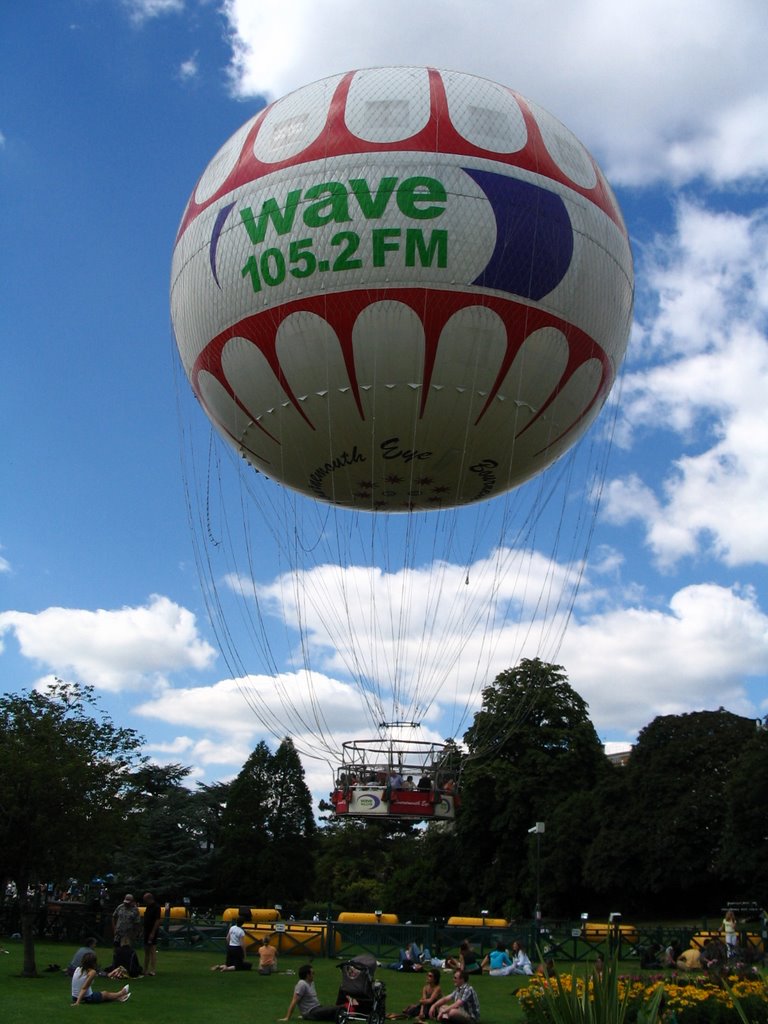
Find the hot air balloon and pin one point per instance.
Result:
(399, 294)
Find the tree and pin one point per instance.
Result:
(65, 775)
(419, 881)
(532, 749)
(291, 826)
(663, 819)
(167, 852)
(265, 850)
(243, 838)
(744, 844)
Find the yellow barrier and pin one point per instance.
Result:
(293, 939)
(177, 913)
(257, 914)
(348, 917)
(477, 922)
(594, 931)
(751, 939)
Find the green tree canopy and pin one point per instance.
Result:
(532, 747)
(167, 853)
(65, 778)
(742, 854)
(266, 840)
(663, 817)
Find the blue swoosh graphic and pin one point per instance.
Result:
(218, 226)
(534, 236)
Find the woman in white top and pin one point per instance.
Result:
(731, 934)
(235, 950)
(82, 980)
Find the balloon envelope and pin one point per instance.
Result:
(401, 289)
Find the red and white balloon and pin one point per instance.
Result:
(402, 288)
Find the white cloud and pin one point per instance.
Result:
(634, 663)
(306, 707)
(112, 649)
(707, 383)
(658, 91)
(189, 68)
(145, 10)
(630, 663)
(422, 641)
(175, 748)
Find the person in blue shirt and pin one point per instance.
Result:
(498, 962)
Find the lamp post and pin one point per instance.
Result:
(538, 830)
(614, 941)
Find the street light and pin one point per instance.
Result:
(538, 830)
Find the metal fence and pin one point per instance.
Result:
(563, 941)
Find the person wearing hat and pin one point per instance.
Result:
(126, 921)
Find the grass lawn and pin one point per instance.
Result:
(185, 991)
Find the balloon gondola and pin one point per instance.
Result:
(399, 294)
(407, 779)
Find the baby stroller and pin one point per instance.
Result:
(361, 997)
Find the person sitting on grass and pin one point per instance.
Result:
(430, 994)
(305, 997)
(462, 1005)
(689, 960)
(713, 955)
(235, 950)
(521, 963)
(125, 962)
(82, 980)
(497, 962)
(467, 960)
(77, 959)
(267, 957)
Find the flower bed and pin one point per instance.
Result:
(696, 999)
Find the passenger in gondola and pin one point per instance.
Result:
(395, 780)
(408, 784)
(425, 784)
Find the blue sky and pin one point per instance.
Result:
(109, 112)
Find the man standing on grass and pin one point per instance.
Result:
(151, 924)
(125, 921)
